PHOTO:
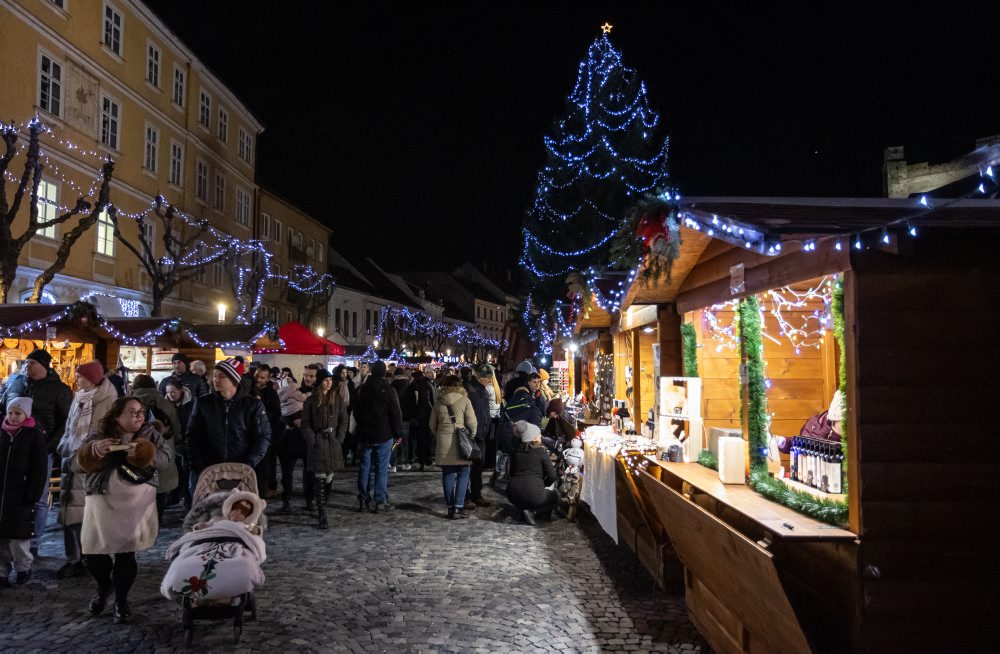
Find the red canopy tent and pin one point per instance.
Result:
(299, 340)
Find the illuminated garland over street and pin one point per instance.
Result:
(421, 325)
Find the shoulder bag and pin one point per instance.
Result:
(130, 473)
(467, 447)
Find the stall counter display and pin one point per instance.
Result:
(559, 379)
(602, 448)
(679, 421)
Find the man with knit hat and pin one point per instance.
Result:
(379, 425)
(182, 373)
(228, 425)
(51, 401)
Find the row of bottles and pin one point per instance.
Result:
(817, 463)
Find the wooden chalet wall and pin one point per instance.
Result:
(802, 384)
(926, 400)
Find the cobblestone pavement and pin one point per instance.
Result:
(407, 581)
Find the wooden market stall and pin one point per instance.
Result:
(905, 569)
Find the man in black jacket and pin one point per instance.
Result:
(263, 390)
(379, 424)
(476, 388)
(229, 426)
(181, 373)
(51, 401)
(420, 396)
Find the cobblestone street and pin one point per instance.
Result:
(408, 581)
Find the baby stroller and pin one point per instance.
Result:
(215, 564)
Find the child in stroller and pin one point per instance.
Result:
(215, 566)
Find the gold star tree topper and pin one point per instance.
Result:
(606, 28)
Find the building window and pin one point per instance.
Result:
(336, 319)
(312, 247)
(288, 316)
(48, 204)
(220, 192)
(59, 3)
(217, 275)
(105, 235)
(277, 274)
(148, 231)
(153, 65)
(319, 252)
(265, 225)
(110, 122)
(113, 30)
(204, 108)
(277, 231)
(50, 92)
(223, 127)
(178, 87)
(201, 181)
(245, 146)
(152, 148)
(368, 322)
(354, 322)
(176, 164)
(242, 207)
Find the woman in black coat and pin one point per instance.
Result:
(324, 427)
(531, 471)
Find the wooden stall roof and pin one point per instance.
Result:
(796, 220)
(232, 336)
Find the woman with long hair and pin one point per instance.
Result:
(120, 460)
(324, 427)
(452, 410)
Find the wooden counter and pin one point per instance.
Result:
(759, 577)
(778, 519)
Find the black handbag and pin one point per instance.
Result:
(468, 449)
(132, 474)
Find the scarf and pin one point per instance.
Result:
(80, 413)
(11, 430)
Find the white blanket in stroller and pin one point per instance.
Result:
(220, 561)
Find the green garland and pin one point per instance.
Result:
(709, 460)
(750, 333)
(838, 334)
(690, 345)
(627, 251)
(830, 511)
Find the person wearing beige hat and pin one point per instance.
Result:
(531, 472)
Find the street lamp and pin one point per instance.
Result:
(222, 312)
(375, 343)
(321, 331)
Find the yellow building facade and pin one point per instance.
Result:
(110, 79)
(295, 239)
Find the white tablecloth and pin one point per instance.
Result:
(601, 446)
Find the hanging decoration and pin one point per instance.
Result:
(689, 340)
(753, 347)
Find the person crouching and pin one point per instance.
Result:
(531, 471)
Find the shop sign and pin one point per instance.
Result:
(50, 333)
(161, 359)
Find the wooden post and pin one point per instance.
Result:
(745, 395)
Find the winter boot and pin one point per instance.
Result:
(321, 505)
(327, 490)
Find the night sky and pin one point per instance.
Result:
(415, 129)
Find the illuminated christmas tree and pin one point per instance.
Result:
(602, 157)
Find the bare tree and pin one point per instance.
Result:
(72, 236)
(31, 177)
(309, 290)
(248, 266)
(184, 255)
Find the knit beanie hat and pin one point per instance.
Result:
(180, 356)
(92, 371)
(555, 404)
(378, 369)
(485, 370)
(41, 356)
(22, 403)
(525, 367)
(322, 374)
(526, 431)
(233, 369)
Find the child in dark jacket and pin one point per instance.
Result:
(23, 463)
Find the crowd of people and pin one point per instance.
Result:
(125, 458)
